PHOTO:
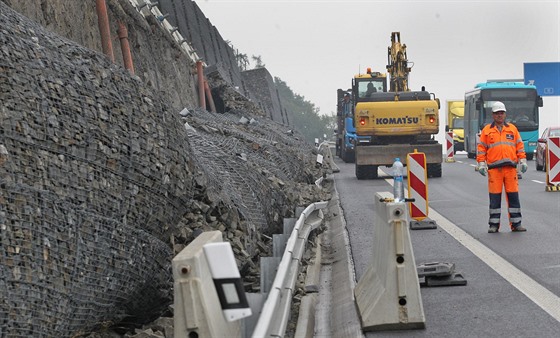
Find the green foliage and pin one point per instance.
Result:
(303, 115)
(258, 61)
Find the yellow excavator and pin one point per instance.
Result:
(397, 121)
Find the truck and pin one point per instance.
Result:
(346, 137)
(397, 121)
(456, 122)
(522, 104)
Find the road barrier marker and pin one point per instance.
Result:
(553, 164)
(417, 179)
(450, 147)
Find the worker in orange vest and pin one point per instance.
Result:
(498, 153)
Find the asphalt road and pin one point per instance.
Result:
(513, 279)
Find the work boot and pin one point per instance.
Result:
(519, 228)
(492, 229)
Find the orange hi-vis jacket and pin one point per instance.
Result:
(500, 148)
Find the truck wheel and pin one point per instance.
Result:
(348, 156)
(471, 155)
(529, 156)
(372, 171)
(344, 155)
(434, 169)
(361, 172)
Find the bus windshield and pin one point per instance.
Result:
(521, 106)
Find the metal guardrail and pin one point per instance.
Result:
(275, 313)
(197, 307)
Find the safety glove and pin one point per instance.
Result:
(482, 168)
(523, 162)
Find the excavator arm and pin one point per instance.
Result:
(398, 64)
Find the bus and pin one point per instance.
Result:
(522, 105)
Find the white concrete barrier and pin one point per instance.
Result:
(388, 295)
(198, 312)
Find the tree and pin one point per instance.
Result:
(303, 115)
(242, 61)
(258, 61)
(241, 58)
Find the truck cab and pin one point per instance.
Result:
(346, 132)
(456, 123)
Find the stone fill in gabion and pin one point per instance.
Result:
(93, 170)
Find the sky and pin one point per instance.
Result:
(317, 46)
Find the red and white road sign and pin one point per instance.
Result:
(450, 146)
(417, 185)
(553, 160)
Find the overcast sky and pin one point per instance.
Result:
(318, 46)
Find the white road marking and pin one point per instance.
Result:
(538, 182)
(540, 295)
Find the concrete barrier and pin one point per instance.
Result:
(388, 295)
(198, 312)
(325, 149)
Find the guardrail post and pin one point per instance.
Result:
(276, 309)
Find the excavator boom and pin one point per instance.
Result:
(398, 64)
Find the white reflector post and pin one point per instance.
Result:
(198, 312)
(227, 280)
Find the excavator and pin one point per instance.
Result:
(396, 121)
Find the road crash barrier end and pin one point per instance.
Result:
(388, 295)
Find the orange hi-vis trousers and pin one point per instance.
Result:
(498, 178)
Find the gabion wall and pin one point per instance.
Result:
(93, 171)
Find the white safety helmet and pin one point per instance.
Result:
(498, 106)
